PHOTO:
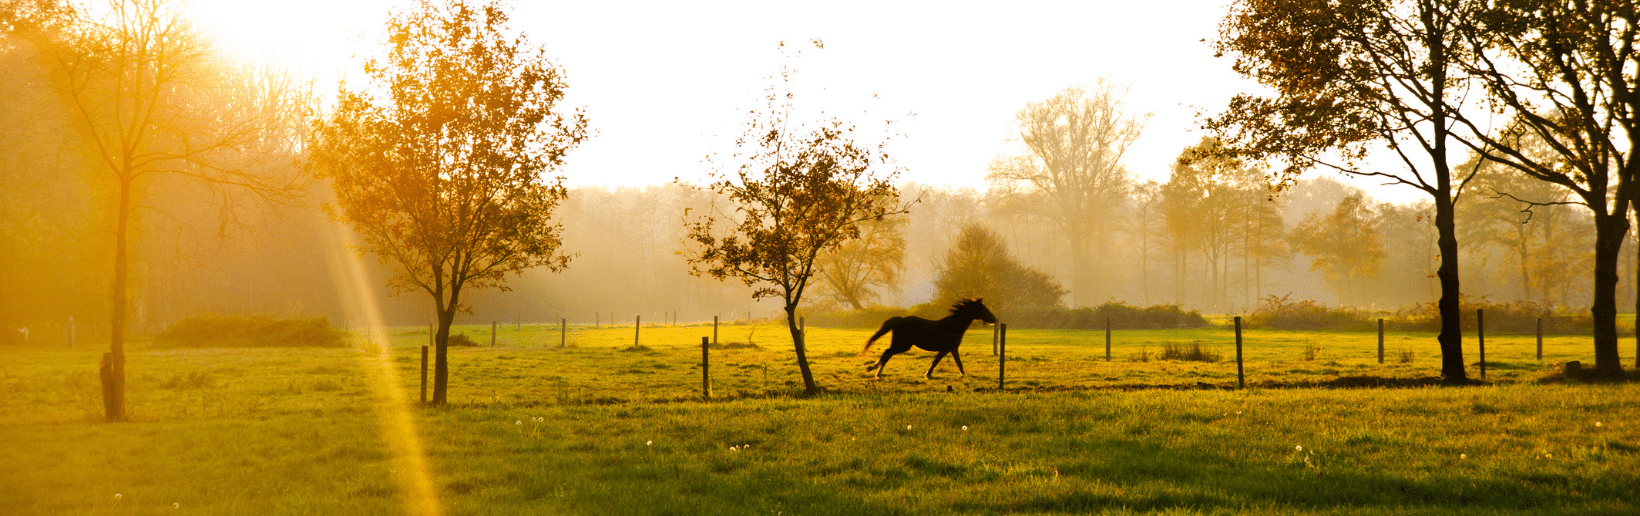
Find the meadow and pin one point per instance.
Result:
(601, 426)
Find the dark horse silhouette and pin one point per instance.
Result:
(942, 336)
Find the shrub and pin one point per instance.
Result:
(1281, 313)
(237, 331)
(461, 340)
(1194, 352)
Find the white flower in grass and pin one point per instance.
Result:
(1298, 447)
(965, 428)
(734, 448)
(176, 505)
(649, 443)
(1597, 423)
(518, 422)
(1462, 456)
(118, 496)
(907, 427)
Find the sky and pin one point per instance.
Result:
(665, 84)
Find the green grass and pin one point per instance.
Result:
(593, 429)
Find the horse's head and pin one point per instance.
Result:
(973, 309)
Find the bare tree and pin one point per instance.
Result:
(154, 101)
(797, 193)
(1075, 142)
(444, 177)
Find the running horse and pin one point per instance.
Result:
(942, 336)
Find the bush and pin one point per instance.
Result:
(1281, 313)
(237, 331)
(461, 340)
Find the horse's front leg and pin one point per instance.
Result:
(958, 357)
(930, 374)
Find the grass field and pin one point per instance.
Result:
(601, 428)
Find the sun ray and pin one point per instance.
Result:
(391, 402)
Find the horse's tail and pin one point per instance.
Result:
(888, 326)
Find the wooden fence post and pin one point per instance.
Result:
(492, 334)
(424, 375)
(1480, 334)
(1241, 377)
(637, 327)
(1380, 341)
(1107, 339)
(705, 370)
(714, 329)
(1540, 340)
(563, 331)
(1002, 353)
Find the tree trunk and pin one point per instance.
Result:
(1451, 336)
(1081, 285)
(1609, 231)
(798, 339)
(441, 354)
(113, 373)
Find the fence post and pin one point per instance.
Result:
(563, 331)
(1107, 339)
(714, 329)
(1540, 341)
(1480, 334)
(1380, 341)
(424, 375)
(637, 327)
(705, 370)
(492, 334)
(1002, 353)
(1241, 378)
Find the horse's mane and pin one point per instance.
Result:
(963, 304)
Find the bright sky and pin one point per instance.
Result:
(666, 83)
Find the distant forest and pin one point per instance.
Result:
(1223, 253)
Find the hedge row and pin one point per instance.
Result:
(1121, 315)
(1501, 318)
(237, 331)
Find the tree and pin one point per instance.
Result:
(1075, 143)
(1345, 244)
(1563, 75)
(856, 271)
(797, 193)
(978, 266)
(442, 172)
(1349, 75)
(155, 102)
(1149, 226)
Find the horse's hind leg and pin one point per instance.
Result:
(882, 363)
(958, 357)
(930, 374)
